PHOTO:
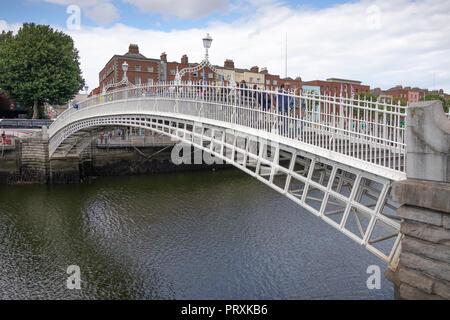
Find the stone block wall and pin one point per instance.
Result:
(34, 160)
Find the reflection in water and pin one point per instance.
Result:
(196, 235)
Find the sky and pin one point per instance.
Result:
(382, 43)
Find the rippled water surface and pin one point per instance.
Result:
(196, 235)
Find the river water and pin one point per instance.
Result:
(193, 235)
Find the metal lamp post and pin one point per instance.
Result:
(207, 41)
(124, 80)
(125, 69)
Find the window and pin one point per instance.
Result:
(138, 67)
(268, 82)
(274, 82)
(137, 80)
(172, 72)
(293, 87)
(194, 74)
(258, 80)
(150, 69)
(251, 79)
(210, 75)
(150, 81)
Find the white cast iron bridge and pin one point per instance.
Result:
(334, 156)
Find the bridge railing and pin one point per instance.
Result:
(367, 130)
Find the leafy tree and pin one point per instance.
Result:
(403, 101)
(436, 96)
(39, 64)
(365, 97)
(5, 36)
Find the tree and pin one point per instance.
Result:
(5, 36)
(436, 96)
(363, 99)
(39, 64)
(403, 101)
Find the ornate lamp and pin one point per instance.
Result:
(207, 44)
(125, 69)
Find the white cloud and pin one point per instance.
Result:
(180, 8)
(410, 47)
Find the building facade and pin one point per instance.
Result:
(140, 69)
(143, 70)
(336, 86)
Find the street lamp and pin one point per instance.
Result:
(125, 68)
(207, 44)
(207, 41)
(86, 88)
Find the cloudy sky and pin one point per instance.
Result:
(380, 42)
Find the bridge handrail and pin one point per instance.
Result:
(368, 130)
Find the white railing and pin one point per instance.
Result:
(366, 130)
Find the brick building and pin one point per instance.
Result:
(407, 93)
(143, 70)
(169, 70)
(332, 86)
(140, 68)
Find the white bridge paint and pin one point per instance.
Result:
(331, 183)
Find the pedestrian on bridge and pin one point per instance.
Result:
(281, 102)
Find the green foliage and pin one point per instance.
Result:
(436, 96)
(366, 98)
(39, 64)
(5, 36)
(403, 101)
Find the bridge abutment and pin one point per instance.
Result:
(34, 159)
(423, 271)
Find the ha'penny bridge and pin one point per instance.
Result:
(363, 167)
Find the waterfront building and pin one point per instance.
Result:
(336, 86)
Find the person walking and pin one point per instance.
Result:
(282, 104)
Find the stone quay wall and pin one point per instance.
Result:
(423, 271)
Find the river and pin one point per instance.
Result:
(191, 235)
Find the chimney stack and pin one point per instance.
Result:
(229, 64)
(184, 59)
(254, 69)
(264, 70)
(164, 57)
(133, 48)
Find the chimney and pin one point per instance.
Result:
(229, 64)
(264, 70)
(254, 69)
(133, 48)
(164, 57)
(184, 59)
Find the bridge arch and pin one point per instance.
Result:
(351, 196)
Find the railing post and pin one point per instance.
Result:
(423, 270)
